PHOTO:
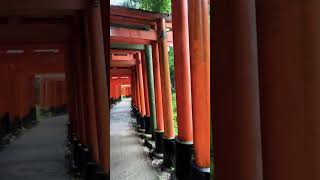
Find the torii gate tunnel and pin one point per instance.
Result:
(139, 56)
(71, 38)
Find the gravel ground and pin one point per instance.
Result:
(128, 158)
(38, 154)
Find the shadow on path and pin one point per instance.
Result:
(38, 154)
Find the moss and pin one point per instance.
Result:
(174, 108)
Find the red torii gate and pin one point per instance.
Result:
(19, 64)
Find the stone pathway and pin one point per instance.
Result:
(128, 158)
(38, 154)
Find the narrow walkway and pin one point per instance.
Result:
(128, 160)
(38, 154)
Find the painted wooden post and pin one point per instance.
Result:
(168, 138)
(138, 90)
(146, 94)
(158, 100)
(133, 96)
(70, 94)
(77, 55)
(99, 83)
(91, 121)
(145, 83)
(236, 105)
(311, 94)
(288, 76)
(184, 140)
(141, 92)
(200, 85)
(141, 86)
(152, 105)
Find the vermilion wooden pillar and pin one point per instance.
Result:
(54, 94)
(312, 98)
(236, 112)
(133, 96)
(157, 87)
(70, 94)
(184, 141)
(284, 72)
(99, 82)
(145, 83)
(146, 94)
(141, 86)
(76, 58)
(200, 85)
(91, 122)
(42, 95)
(168, 138)
(138, 89)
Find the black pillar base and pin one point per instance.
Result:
(30, 120)
(70, 135)
(158, 151)
(5, 126)
(138, 118)
(84, 159)
(142, 122)
(91, 170)
(147, 125)
(17, 125)
(169, 150)
(75, 153)
(184, 151)
(101, 175)
(199, 174)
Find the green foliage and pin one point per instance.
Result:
(174, 107)
(162, 6)
(131, 4)
(171, 64)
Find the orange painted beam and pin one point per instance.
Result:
(133, 36)
(133, 33)
(127, 57)
(25, 6)
(129, 41)
(123, 63)
(17, 33)
(115, 51)
(120, 72)
(128, 21)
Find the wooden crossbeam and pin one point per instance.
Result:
(19, 5)
(123, 63)
(120, 72)
(134, 36)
